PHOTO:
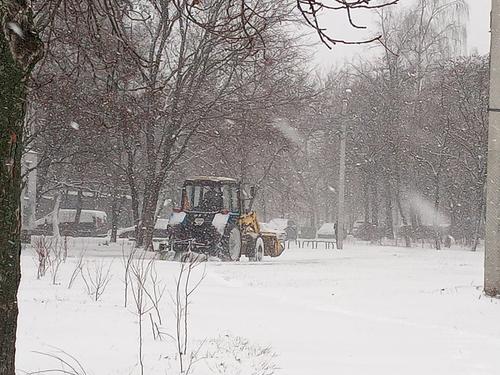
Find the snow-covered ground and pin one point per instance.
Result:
(365, 310)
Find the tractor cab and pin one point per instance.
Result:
(211, 194)
(215, 219)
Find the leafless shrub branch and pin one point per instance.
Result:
(68, 364)
(42, 246)
(140, 268)
(55, 259)
(226, 355)
(184, 288)
(127, 261)
(96, 279)
(77, 270)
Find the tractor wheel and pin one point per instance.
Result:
(258, 252)
(233, 244)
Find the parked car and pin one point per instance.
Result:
(286, 225)
(327, 231)
(159, 231)
(92, 223)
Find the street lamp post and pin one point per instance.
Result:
(343, 135)
(492, 247)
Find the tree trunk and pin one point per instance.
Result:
(115, 214)
(148, 219)
(366, 199)
(374, 227)
(79, 206)
(264, 207)
(404, 220)
(406, 230)
(14, 69)
(55, 218)
(148, 224)
(453, 219)
(415, 223)
(12, 94)
(389, 225)
(313, 215)
(134, 192)
(162, 196)
(437, 201)
(374, 204)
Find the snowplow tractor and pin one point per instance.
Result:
(212, 221)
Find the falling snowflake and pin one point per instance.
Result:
(16, 29)
(74, 125)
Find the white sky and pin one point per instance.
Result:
(477, 34)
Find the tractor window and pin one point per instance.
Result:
(211, 199)
(191, 197)
(235, 207)
(196, 197)
(186, 198)
(226, 197)
(203, 198)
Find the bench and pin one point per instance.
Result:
(328, 243)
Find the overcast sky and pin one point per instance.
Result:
(477, 33)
